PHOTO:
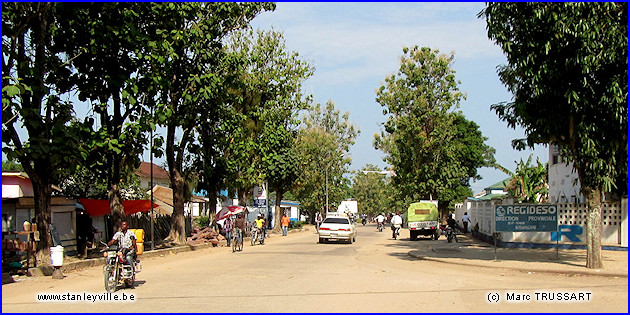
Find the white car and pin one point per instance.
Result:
(337, 229)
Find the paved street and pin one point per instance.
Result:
(295, 274)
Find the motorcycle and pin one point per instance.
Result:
(395, 231)
(380, 227)
(117, 270)
(363, 221)
(450, 234)
(257, 235)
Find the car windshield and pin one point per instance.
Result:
(336, 220)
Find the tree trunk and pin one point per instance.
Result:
(116, 207)
(278, 211)
(212, 204)
(42, 191)
(178, 229)
(243, 197)
(593, 228)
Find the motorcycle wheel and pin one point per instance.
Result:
(110, 279)
(449, 238)
(254, 236)
(129, 282)
(234, 244)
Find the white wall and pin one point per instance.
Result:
(571, 216)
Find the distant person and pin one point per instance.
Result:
(318, 220)
(285, 224)
(465, 221)
(452, 224)
(228, 226)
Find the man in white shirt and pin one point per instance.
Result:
(380, 219)
(396, 222)
(465, 221)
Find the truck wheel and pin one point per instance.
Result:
(412, 235)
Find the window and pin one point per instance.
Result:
(337, 220)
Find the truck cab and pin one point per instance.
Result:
(422, 218)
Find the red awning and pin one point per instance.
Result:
(97, 208)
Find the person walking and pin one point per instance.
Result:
(285, 224)
(318, 220)
(228, 227)
(239, 227)
(465, 221)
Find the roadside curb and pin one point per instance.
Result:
(418, 255)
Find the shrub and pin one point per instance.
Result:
(202, 221)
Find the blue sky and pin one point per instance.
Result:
(354, 46)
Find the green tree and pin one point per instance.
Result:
(35, 80)
(11, 166)
(186, 56)
(323, 142)
(262, 112)
(271, 96)
(528, 182)
(373, 191)
(433, 149)
(107, 40)
(568, 71)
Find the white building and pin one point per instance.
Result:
(564, 185)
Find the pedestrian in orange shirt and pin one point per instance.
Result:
(285, 224)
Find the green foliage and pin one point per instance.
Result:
(323, 142)
(297, 225)
(202, 221)
(265, 96)
(373, 191)
(529, 182)
(568, 70)
(11, 166)
(433, 149)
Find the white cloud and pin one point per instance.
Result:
(350, 42)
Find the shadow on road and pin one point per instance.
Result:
(473, 249)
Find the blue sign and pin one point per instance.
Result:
(526, 218)
(260, 203)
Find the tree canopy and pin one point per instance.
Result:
(568, 71)
(433, 149)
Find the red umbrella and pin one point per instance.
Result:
(228, 211)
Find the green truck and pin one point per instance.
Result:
(422, 218)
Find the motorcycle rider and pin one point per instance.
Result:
(397, 222)
(380, 219)
(260, 224)
(126, 241)
(452, 224)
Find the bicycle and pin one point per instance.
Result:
(237, 240)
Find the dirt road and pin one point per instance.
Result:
(295, 274)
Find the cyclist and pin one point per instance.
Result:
(239, 227)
